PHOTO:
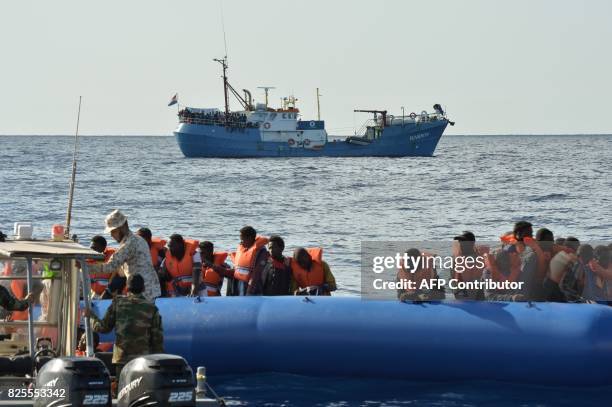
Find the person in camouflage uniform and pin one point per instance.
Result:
(137, 324)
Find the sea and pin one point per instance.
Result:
(478, 183)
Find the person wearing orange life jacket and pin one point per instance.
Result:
(178, 267)
(468, 264)
(208, 281)
(311, 274)
(506, 264)
(526, 261)
(100, 280)
(18, 297)
(419, 268)
(249, 261)
(157, 246)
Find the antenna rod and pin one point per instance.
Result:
(318, 106)
(73, 178)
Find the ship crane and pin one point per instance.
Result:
(382, 112)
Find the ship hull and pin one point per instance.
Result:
(415, 139)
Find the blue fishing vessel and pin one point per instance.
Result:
(261, 131)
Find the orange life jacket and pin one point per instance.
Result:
(19, 289)
(99, 281)
(313, 277)
(244, 259)
(181, 270)
(157, 244)
(213, 280)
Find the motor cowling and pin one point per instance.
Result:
(73, 381)
(160, 378)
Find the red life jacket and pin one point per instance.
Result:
(181, 270)
(313, 277)
(157, 245)
(99, 281)
(244, 259)
(213, 280)
(105, 347)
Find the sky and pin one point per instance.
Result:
(499, 67)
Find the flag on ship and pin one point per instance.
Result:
(174, 100)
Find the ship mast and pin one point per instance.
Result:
(223, 63)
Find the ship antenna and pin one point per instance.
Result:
(223, 28)
(73, 177)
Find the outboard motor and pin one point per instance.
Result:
(73, 381)
(160, 379)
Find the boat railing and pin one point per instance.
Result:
(394, 120)
(363, 129)
(216, 122)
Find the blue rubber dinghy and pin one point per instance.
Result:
(538, 343)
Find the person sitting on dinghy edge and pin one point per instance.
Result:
(311, 274)
(560, 278)
(424, 272)
(249, 261)
(277, 275)
(157, 246)
(100, 281)
(181, 261)
(464, 246)
(598, 276)
(208, 280)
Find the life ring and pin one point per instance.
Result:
(291, 141)
(306, 142)
(413, 115)
(266, 125)
(312, 123)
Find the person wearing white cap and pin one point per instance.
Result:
(133, 252)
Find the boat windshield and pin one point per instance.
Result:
(45, 305)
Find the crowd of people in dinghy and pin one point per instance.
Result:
(546, 268)
(188, 267)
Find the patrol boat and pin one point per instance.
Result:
(39, 361)
(261, 131)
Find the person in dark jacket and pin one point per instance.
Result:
(276, 275)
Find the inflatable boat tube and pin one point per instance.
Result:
(534, 343)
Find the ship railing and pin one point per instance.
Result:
(363, 129)
(394, 120)
(215, 122)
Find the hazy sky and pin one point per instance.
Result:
(498, 66)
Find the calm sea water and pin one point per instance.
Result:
(480, 183)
